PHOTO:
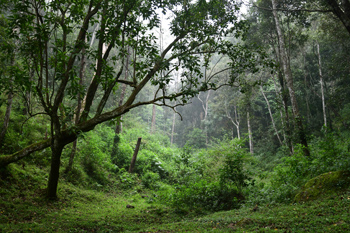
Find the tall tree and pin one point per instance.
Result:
(44, 29)
(289, 79)
(271, 116)
(322, 83)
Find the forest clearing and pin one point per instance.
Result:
(174, 116)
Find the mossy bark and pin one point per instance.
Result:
(6, 160)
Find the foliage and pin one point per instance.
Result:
(199, 185)
(330, 182)
(127, 180)
(151, 180)
(329, 153)
(233, 170)
(94, 154)
(23, 208)
(204, 195)
(196, 139)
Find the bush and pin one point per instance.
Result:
(94, 154)
(328, 153)
(196, 139)
(123, 154)
(127, 180)
(151, 180)
(77, 176)
(210, 196)
(212, 180)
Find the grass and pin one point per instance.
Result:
(23, 208)
(331, 214)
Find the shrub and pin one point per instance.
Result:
(196, 139)
(197, 183)
(151, 180)
(328, 153)
(94, 153)
(127, 180)
(211, 196)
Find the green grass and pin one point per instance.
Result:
(331, 214)
(23, 208)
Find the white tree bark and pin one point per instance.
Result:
(272, 120)
(250, 134)
(321, 82)
(205, 106)
(235, 121)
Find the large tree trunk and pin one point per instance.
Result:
(56, 150)
(289, 82)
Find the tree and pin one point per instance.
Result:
(284, 60)
(270, 112)
(44, 30)
(342, 10)
(7, 68)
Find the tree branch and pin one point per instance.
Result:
(5, 160)
(292, 10)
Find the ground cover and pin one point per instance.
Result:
(23, 208)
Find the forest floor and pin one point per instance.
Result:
(23, 208)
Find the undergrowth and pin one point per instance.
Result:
(23, 208)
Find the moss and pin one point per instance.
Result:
(326, 183)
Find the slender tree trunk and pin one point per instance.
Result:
(119, 125)
(6, 118)
(173, 128)
(289, 81)
(174, 116)
(308, 112)
(205, 106)
(235, 121)
(280, 99)
(250, 134)
(133, 161)
(272, 120)
(153, 123)
(322, 83)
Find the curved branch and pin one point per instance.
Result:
(6, 160)
(31, 116)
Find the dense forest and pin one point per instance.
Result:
(174, 115)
